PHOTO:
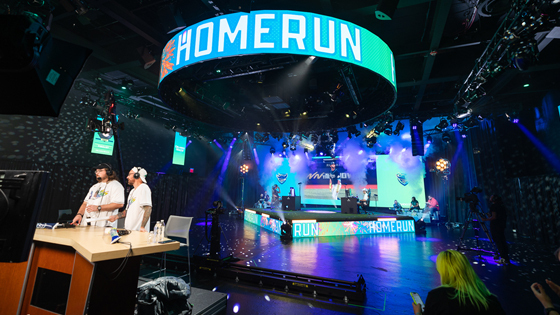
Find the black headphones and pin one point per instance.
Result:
(137, 174)
(109, 170)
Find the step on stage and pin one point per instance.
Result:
(310, 222)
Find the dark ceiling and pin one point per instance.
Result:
(435, 43)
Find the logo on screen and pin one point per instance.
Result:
(282, 178)
(401, 177)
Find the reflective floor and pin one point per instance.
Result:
(392, 265)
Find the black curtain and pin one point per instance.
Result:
(179, 194)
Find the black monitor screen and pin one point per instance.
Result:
(21, 197)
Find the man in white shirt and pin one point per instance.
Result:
(139, 206)
(103, 199)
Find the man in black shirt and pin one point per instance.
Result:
(498, 220)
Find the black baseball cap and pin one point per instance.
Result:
(103, 165)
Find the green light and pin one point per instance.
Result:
(123, 87)
(218, 71)
(526, 85)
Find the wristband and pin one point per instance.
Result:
(550, 309)
(80, 214)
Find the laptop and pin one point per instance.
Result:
(65, 216)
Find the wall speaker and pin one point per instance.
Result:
(417, 137)
(349, 205)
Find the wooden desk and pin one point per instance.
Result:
(84, 257)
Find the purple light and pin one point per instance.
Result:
(321, 154)
(463, 136)
(414, 127)
(516, 120)
(454, 125)
(256, 156)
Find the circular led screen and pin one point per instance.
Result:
(276, 70)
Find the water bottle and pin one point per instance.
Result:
(157, 228)
(162, 231)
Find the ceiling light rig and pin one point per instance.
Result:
(513, 45)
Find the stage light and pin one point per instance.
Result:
(360, 152)
(126, 84)
(388, 130)
(87, 101)
(442, 124)
(464, 113)
(293, 147)
(472, 122)
(429, 139)
(321, 153)
(445, 137)
(443, 166)
(480, 118)
(146, 56)
(526, 85)
(514, 118)
(286, 231)
(272, 150)
(347, 115)
(334, 136)
(310, 60)
(463, 134)
(244, 169)
(398, 129)
(284, 145)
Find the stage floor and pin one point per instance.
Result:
(393, 265)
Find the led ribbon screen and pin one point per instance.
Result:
(278, 32)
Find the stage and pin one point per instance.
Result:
(314, 222)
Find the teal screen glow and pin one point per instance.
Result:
(102, 146)
(179, 149)
(400, 180)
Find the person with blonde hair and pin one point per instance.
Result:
(461, 290)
